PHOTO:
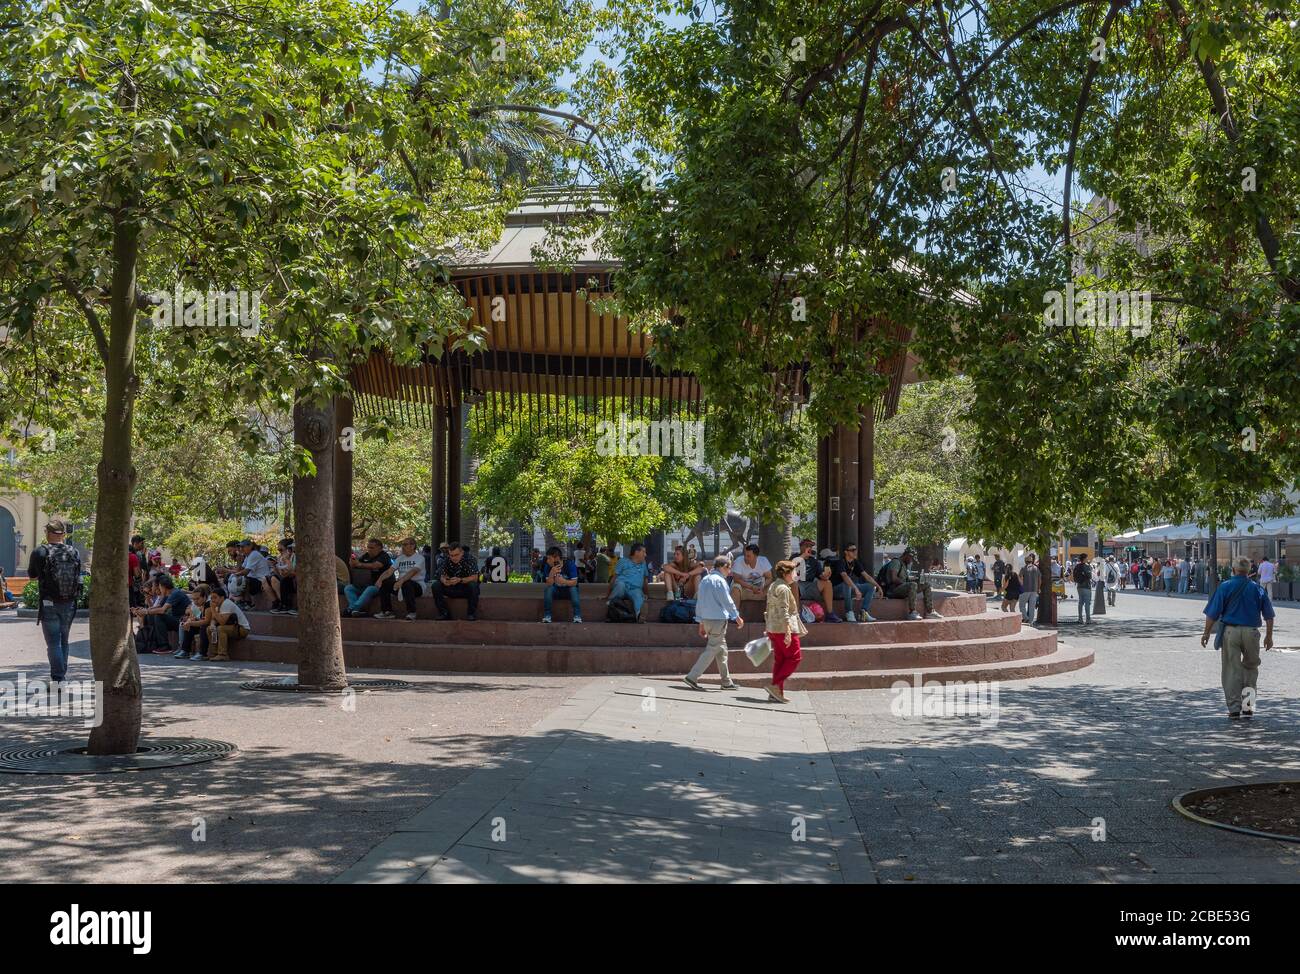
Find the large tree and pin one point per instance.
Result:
(307, 151)
(801, 171)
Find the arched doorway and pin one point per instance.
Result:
(8, 545)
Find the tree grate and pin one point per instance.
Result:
(289, 685)
(70, 757)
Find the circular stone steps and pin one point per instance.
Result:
(960, 647)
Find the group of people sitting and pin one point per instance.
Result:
(206, 605)
(822, 578)
(210, 612)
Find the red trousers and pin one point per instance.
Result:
(785, 657)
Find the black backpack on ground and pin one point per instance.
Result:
(61, 576)
(621, 610)
(679, 610)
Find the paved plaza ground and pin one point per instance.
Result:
(527, 779)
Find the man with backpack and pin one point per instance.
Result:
(895, 578)
(1114, 572)
(1082, 576)
(56, 567)
(714, 609)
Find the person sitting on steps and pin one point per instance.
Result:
(560, 578)
(899, 585)
(814, 577)
(681, 576)
(631, 579)
(459, 580)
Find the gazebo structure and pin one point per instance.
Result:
(549, 341)
(550, 344)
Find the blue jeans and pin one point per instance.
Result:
(357, 600)
(56, 626)
(1085, 602)
(637, 595)
(564, 591)
(865, 589)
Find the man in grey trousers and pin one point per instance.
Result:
(714, 608)
(1239, 604)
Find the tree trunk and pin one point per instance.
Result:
(320, 634)
(771, 540)
(112, 654)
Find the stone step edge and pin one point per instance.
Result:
(1024, 635)
(1064, 660)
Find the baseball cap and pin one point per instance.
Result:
(56, 525)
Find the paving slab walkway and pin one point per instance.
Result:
(634, 781)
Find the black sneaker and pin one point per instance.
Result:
(1234, 715)
(444, 617)
(1247, 714)
(471, 618)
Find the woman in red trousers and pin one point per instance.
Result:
(784, 627)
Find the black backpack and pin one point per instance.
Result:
(61, 577)
(679, 610)
(1083, 573)
(621, 610)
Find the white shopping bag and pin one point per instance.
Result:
(758, 650)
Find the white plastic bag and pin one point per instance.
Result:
(758, 650)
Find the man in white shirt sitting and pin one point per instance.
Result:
(255, 569)
(408, 571)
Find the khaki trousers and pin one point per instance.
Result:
(221, 636)
(1240, 666)
(716, 648)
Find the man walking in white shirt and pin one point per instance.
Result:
(1267, 572)
(714, 608)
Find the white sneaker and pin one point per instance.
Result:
(577, 618)
(546, 618)
(914, 615)
(933, 615)
(384, 615)
(850, 617)
(411, 616)
(868, 617)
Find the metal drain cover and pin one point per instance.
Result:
(70, 757)
(288, 684)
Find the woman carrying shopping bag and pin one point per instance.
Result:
(784, 627)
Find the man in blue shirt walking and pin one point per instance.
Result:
(714, 608)
(1240, 603)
